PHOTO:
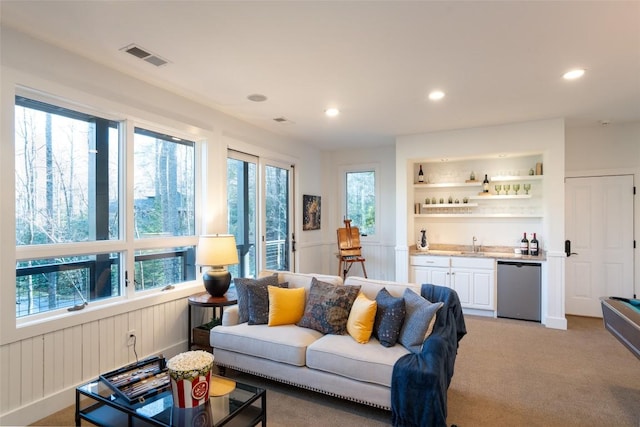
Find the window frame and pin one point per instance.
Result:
(13, 328)
(364, 167)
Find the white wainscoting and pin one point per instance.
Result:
(322, 258)
(380, 261)
(38, 375)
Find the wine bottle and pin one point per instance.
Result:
(533, 246)
(420, 175)
(524, 245)
(485, 184)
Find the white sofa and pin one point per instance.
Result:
(332, 364)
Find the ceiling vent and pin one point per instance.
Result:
(145, 55)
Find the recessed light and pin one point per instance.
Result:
(331, 112)
(436, 95)
(257, 97)
(573, 74)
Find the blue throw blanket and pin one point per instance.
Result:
(420, 381)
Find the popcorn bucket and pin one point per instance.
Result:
(190, 374)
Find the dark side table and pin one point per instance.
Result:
(204, 299)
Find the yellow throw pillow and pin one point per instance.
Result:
(361, 318)
(286, 306)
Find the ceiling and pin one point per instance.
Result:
(498, 62)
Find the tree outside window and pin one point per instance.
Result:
(361, 200)
(69, 172)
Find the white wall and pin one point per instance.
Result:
(41, 365)
(545, 137)
(607, 150)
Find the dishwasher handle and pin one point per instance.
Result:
(519, 264)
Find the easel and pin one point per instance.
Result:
(349, 249)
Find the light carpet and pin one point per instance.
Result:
(508, 373)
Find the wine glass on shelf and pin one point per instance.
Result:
(507, 187)
(516, 188)
(527, 187)
(498, 188)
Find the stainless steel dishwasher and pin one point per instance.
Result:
(519, 290)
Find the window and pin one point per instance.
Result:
(71, 240)
(164, 185)
(164, 206)
(361, 200)
(67, 185)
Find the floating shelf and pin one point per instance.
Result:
(449, 185)
(517, 178)
(449, 205)
(502, 196)
(473, 215)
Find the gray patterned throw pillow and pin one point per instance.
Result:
(328, 307)
(259, 303)
(242, 285)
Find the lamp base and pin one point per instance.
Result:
(216, 282)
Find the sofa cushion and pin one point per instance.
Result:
(418, 323)
(285, 343)
(259, 304)
(328, 307)
(341, 355)
(285, 305)
(361, 318)
(389, 318)
(242, 284)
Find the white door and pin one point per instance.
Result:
(599, 225)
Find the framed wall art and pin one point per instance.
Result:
(310, 212)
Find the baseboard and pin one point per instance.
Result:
(61, 399)
(556, 323)
(39, 409)
(478, 312)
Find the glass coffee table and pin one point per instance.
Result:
(238, 405)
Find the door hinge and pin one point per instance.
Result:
(634, 190)
(634, 244)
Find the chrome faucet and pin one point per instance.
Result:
(473, 244)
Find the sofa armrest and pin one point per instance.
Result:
(230, 315)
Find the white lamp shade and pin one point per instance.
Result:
(216, 250)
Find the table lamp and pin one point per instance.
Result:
(217, 251)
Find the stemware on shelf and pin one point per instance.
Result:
(498, 188)
(527, 187)
(516, 188)
(507, 187)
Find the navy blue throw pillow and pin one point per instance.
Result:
(389, 318)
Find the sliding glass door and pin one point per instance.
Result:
(270, 209)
